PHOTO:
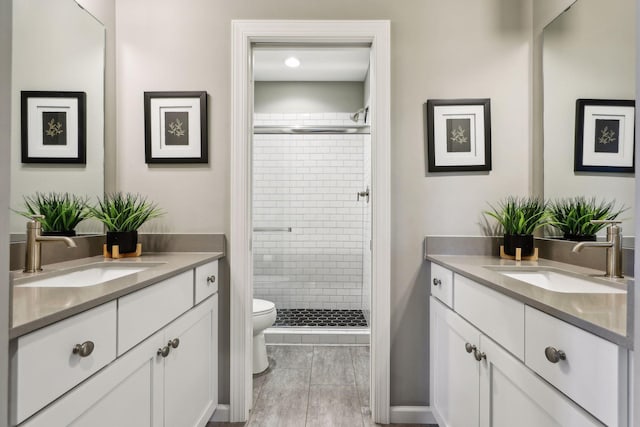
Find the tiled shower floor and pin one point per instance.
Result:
(298, 317)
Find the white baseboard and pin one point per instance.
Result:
(411, 415)
(221, 414)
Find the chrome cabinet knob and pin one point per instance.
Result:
(84, 349)
(470, 348)
(211, 279)
(437, 282)
(174, 343)
(164, 351)
(553, 355)
(479, 356)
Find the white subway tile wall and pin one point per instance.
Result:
(308, 183)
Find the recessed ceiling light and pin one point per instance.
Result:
(292, 62)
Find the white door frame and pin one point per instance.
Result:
(244, 33)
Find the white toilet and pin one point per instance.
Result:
(264, 314)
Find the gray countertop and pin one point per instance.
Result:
(36, 307)
(603, 314)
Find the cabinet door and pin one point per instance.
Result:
(127, 393)
(512, 395)
(191, 389)
(454, 371)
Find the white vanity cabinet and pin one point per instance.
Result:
(168, 378)
(479, 380)
(475, 382)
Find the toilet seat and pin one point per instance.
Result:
(261, 307)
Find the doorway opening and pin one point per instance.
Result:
(311, 168)
(246, 35)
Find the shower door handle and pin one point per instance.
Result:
(363, 194)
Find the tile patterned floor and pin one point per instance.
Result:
(295, 317)
(312, 386)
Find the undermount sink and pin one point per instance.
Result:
(558, 281)
(88, 275)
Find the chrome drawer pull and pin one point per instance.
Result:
(211, 279)
(553, 355)
(84, 349)
(470, 348)
(174, 343)
(437, 282)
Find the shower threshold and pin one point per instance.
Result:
(318, 326)
(310, 336)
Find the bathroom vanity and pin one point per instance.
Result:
(135, 350)
(535, 343)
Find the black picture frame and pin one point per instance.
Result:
(53, 127)
(458, 135)
(175, 125)
(605, 136)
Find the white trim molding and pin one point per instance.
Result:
(412, 415)
(240, 260)
(244, 34)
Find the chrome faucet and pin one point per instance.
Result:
(33, 253)
(613, 245)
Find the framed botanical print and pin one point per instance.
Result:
(53, 127)
(175, 127)
(458, 135)
(605, 136)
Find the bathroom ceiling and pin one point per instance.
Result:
(316, 64)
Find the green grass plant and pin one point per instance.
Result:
(62, 211)
(124, 211)
(520, 215)
(573, 215)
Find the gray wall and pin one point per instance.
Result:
(487, 55)
(5, 123)
(308, 97)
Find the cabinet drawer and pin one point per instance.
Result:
(442, 284)
(594, 373)
(143, 312)
(206, 281)
(498, 316)
(45, 366)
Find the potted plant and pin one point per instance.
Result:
(573, 215)
(519, 218)
(62, 212)
(122, 215)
